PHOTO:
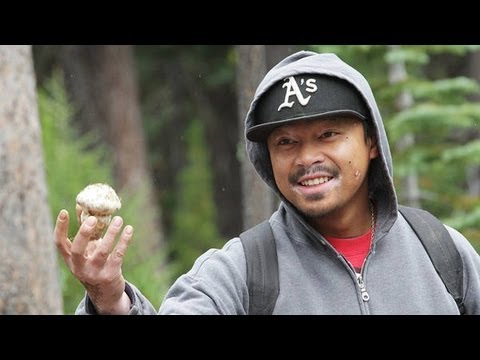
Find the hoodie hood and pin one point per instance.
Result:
(380, 177)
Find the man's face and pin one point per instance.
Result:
(321, 165)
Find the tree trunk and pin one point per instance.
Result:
(102, 82)
(473, 171)
(398, 73)
(258, 199)
(222, 137)
(276, 53)
(29, 282)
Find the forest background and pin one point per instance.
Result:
(164, 126)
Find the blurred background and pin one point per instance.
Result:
(163, 125)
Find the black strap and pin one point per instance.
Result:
(440, 248)
(262, 268)
(262, 264)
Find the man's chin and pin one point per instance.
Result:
(316, 210)
(311, 212)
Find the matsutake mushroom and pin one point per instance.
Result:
(99, 200)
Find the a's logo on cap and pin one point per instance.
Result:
(294, 89)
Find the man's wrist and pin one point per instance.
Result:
(122, 307)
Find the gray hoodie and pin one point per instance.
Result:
(314, 278)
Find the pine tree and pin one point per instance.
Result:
(441, 120)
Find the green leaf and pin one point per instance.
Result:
(406, 55)
(468, 153)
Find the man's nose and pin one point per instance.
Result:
(309, 154)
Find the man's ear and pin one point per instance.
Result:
(373, 147)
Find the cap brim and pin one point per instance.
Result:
(259, 133)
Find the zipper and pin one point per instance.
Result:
(363, 288)
(360, 282)
(358, 277)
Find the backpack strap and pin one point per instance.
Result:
(262, 264)
(262, 268)
(440, 248)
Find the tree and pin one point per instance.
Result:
(179, 85)
(276, 53)
(258, 199)
(103, 86)
(29, 281)
(441, 116)
(397, 73)
(473, 170)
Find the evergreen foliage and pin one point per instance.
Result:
(440, 119)
(194, 229)
(71, 164)
(183, 89)
(443, 120)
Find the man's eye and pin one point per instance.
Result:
(285, 142)
(329, 134)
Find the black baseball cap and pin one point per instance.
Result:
(305, 96)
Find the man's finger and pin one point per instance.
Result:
(118, 253)
(80, 241)
(105, 246)
(61, 235)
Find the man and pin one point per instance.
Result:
(316, 137)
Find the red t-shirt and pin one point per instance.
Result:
(355, 250)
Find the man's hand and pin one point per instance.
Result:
(94, 263)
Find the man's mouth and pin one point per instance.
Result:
(315, 175)
(316, 181)
(314, 187)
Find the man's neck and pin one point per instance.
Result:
(347, 222)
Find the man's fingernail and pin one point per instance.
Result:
(63, 215)
(91, 221)
(117, 221)
(128, 230)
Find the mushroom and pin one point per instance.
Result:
(98, 200)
